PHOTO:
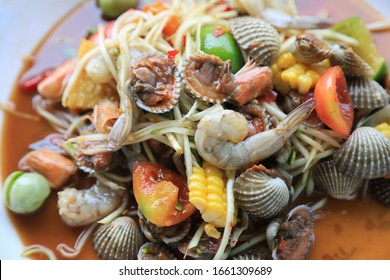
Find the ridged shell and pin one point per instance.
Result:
(366, 153)
(261, 253)
(260, 194)
(168, 235)
(380, 191)
(208, 77)
(351, 63)
(257, 38)
(118, 240)
(296, 233)
(308, 49)
(155, 82)
(367, 93)
(154, 251)
(335, 183)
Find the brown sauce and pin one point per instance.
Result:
(349, 229)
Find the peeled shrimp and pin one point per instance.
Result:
(86, 206)
(220, 136)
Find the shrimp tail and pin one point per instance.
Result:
(295, 118)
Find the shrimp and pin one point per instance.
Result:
(86, 206)
(220, 136)
(51, 87)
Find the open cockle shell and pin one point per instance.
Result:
(367, 93)
(154, 251)
(308, 49)
(208, 77)
(155, 82)
(365, 154)
(335, 183)
(118, 240)
(260, 192)
(259, 39)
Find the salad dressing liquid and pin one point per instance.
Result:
(348, 230)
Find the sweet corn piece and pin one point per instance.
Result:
(291, 77)
(285, 61)
(208, 194)
(305, 82)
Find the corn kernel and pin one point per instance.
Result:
(211, 231)
(304, 83)
(291, 77)
(386, 133)
(286, 60)
(382, 126)
(313, 75)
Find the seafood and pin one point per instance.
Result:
(51, 142)
(156, 82)
(168, 235)
(52, 86)
(55, 167)
(118, 240)
(367, 93)
(293, 237)
(351, 63)
(83, 207)
(251, 81)
(366, 154)
(257, 38)
(205, 250)
(208, 78)
(104, 115)
(261, 253)
(257, 118)
(335, 183)
(380, 191)
(220, 136)
(154, 251)
(261, 192)
(309, 49)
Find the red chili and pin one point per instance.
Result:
(172, 54)
(183, 40)
(30, 84)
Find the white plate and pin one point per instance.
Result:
(23, 24)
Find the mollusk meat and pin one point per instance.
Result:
(208, 77)
(257, 118)
(155, 82)
(295, 236)
(380, 191)
(366, 153)
(154, 251)
(367, 93)
(351, 63)
(335, 183)
(261, 192)
(257, 38)
(309, 49)
(118, 240)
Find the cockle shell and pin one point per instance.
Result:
(118, 240)
(154, 251)
(351, 63)
(367, 93)
(308, 49)
(338, 185)
(380, 191)
(262, 253)
(366, 154)
(155, 82)
(295, 236)
(208, 77)
(259, 39)
(261, 192)
(168, 235)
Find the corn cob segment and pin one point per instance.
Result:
(208, 194)
(289, 73)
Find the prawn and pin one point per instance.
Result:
(86, 206)
(219, 137)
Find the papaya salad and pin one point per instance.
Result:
(207, 130)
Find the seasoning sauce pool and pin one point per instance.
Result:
(349, 229)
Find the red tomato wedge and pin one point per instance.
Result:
(161, 194)
(334, 106)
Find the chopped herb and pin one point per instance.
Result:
(198, 251)
(145, 250)
(179, 207)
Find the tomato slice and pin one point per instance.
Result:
(161, 194)
(334, 106)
